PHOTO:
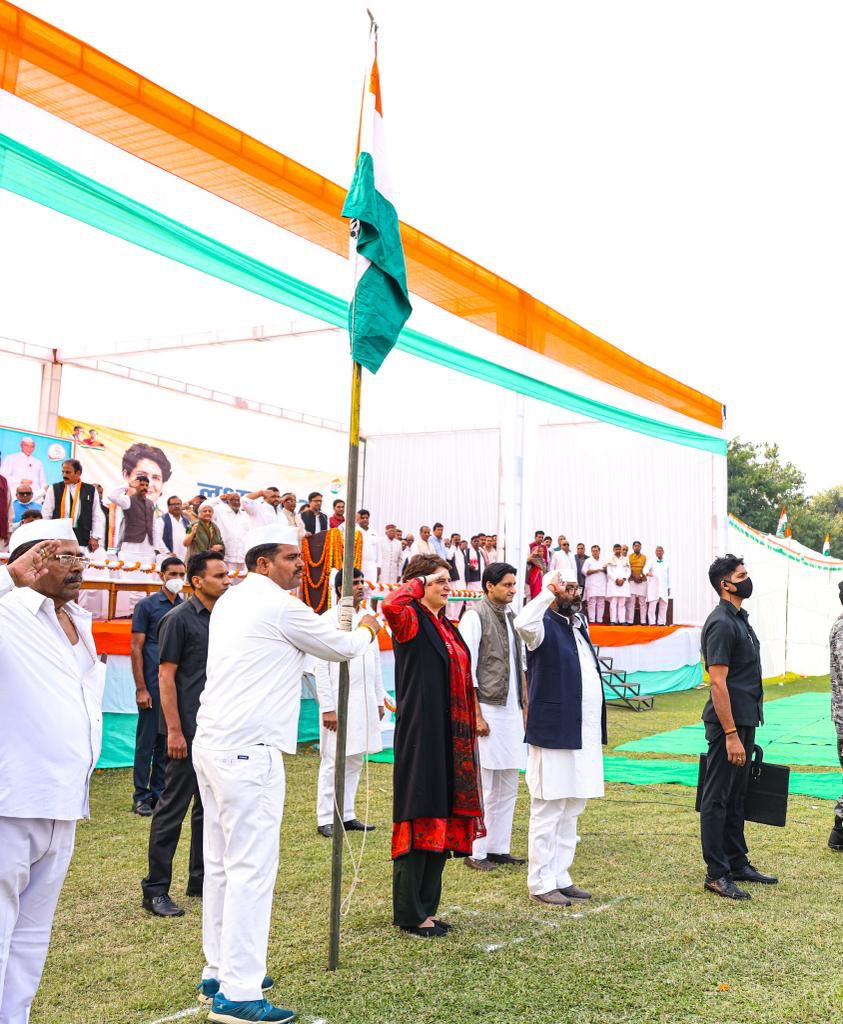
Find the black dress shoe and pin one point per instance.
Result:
(326, 830)
(143, 808)
(726, 887)
(750, 874)
(162, 906)
(835, 840)
(355, 825)
(504, 858)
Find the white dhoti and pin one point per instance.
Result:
(243, 797)
(36, 855)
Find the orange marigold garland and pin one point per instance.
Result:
(317, 570)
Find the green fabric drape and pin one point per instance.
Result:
(35, 176)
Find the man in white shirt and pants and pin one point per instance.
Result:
(501, 702)
(617, 586)
(594, 571)
(365, 711)
(234, 524)
(51, 686)
(659, 589)
(566, 727)
(390, 556)
(259, 638)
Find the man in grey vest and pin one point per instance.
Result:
(501, 702)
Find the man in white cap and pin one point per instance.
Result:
(25, 467)
(51, 687)
(259, 637)
(566, 725)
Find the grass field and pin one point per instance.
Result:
(652, 947)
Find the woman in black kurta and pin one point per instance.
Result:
(437, 803)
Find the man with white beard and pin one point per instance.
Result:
(566, 727)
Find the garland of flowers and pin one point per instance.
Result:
(317, 572)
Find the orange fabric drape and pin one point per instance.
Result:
(627, 636)
(113, 637)
(59, 73)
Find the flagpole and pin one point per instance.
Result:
(347, 597)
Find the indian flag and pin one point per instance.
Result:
(380, 305)
(782, 527)
(827, 547)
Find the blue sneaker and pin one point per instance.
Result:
(229, 1011)
(208, 988)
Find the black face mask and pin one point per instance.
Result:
(743, 590)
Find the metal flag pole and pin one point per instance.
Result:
(347, 592)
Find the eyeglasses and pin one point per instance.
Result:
(68, 560)
(24, 494)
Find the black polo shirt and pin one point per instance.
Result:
(146, 619)
(728, 639)
(183, 640)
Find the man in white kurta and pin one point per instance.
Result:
(617, 586)
(365, 711)
(25, 466)
(562, 560)
(259, 638)
(391, 555)
(234, 523)
(500, 694)
(565, 732)
(594, 571)
(370, 559)
(51, 686)
(659, 589)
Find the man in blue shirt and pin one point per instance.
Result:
(150, 744)
(23, 503)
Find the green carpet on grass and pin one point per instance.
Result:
(646, 772)
(797, 731)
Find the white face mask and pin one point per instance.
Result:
(175, 586)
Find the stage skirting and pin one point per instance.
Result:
(659, 659)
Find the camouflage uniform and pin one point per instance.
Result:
(836, 645)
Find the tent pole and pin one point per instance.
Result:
(342, 697)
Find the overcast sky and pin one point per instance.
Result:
(666, 174)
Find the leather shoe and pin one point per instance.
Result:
(505, 858)
(162, 906)
(573, 892)
(835, 840)
(355, 825)
(726, 887)
(436, 932)
(479, 865)
(750, 874)
(143, 808)
(326, 830)
(554, 898)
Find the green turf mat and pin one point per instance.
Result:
(797, 730)
(685, 678)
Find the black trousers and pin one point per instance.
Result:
(416, 886)
(721, 804)
(180, 787)
(150, 752)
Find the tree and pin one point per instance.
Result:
(759, 484)
(820, 514)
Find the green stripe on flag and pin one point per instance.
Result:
(381, 304)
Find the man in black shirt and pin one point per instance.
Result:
(183, 655)
(732, 656)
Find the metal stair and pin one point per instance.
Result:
(627, 695)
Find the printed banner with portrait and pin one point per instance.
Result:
(113, 458)
(31, 459)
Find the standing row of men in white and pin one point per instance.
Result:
(259, 638)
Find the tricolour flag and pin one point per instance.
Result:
(380, 305)
(780, 529)
(827, 547)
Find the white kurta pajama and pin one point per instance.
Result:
(365, 696)
(617, 569)
(561, 781)
(51, 710)
(595, 588)
(503, 753)
(391, 557)
(260, 637)
(659, 589)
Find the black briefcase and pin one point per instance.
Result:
(766, 792)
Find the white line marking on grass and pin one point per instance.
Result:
(189, 1012)
(555, 922)
(600, 909)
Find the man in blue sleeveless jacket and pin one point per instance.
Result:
(566, 727)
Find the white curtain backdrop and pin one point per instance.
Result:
(600, 485)
(419, 479)
(793, 605)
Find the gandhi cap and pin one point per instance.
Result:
(271, 534)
